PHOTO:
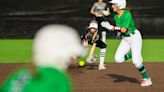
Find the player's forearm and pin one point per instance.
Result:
(92, 12)
(92, 49)
(94, 36)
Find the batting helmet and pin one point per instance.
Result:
(121, 4)
(55, 45)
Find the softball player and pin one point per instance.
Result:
(51, 59)
(91, 37)
(100, 10)
(132, 39)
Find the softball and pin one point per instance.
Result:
(81, 63)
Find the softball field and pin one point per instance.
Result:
(116, 78)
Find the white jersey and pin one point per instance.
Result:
(99, 7)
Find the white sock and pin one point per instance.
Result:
(104, 36)
(102, 56)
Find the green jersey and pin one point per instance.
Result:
(126, 20)
(47, 80)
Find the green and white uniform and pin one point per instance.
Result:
(126, 20)
(132, 39)
(46, 80)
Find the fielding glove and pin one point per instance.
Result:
(92, 58)
(106, 25)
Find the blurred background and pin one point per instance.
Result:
(21, 18)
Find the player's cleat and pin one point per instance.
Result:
(146, 82)
(102, 67)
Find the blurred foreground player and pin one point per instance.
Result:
(51, 59)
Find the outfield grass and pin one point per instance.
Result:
(15, 51)
(20, 51)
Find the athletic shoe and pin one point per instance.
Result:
(102, 67)
(146, 82)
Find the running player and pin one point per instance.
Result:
(132, 39)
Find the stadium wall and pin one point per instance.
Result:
(22, 18)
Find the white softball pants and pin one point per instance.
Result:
(133, 43)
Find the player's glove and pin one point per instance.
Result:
(92, 58)
(106, 25)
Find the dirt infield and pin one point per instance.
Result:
(116, 78)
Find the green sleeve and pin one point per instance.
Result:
(127, 21)
(12, 79)
(1, 88)
(6, 86)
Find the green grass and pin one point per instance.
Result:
(153, 50)
(15, 51)
(20, 51)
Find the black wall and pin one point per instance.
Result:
(22, 18)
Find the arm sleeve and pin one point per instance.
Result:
(82, 37)
(87, 36)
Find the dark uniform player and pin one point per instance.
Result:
(100, 11)
(92, 38)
